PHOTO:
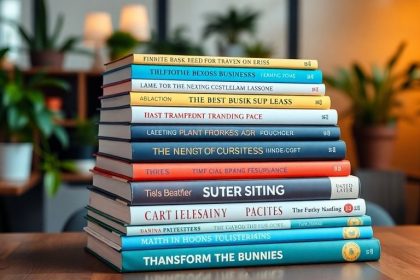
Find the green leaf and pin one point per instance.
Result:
(396, 56)
(41, 25)
(52, 181)
(45, 123)
(61, 135)
(52, 41)
(12, 95)
(69, 44)
(68, 165)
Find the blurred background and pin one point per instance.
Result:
(369, 52)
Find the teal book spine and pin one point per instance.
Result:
(251, 255)
(225, 74)
(243, 238)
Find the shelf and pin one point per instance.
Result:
(18, 189)
(76, 178)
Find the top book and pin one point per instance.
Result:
(219, 61)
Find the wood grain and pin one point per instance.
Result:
(62, 256)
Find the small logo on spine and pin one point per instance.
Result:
(351, 251)
(354, 221)
(351, 233)
(348, 208)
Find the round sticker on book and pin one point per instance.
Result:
(348, 208)
(351, 251)
(351, 232)
(354, 221)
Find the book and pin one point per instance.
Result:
(221, 151)
(191, 115)
(221, 170)
(175, 132)
(220, 61)
(237, 256)
(143, 85)
(223, 191)
(129, 230)
(190, 240)
(223, 74)
(216, 100)
(223, 212)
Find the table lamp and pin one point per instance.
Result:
(134, 20)
(98, 27)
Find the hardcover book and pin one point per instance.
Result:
(175, 132)
(237, 256)
(221, 170)
(223, 212)
(116, 225)
(225, 74)
(128, 243)
(223, 191)
(222, 151)
(216, 100)
(144, 85)
(192, 115)
(220, 61)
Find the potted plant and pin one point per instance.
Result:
(120, 44)
(27, 125)
(229, 27)
(43, 46)
(374, 96)
(176, 43)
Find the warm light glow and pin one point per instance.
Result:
(134, 20)
(98, 27)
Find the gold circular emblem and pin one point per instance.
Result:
(350, 251)
(351, 232)
(354, 221)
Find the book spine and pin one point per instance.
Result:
(195, 213)
(224, 61)
(240, 170)
(223, 191)
(249, 225)
(226, 100)
(243, 116)
(243, 238)
(226, 87)
(252, 255)
(225, 74)
(232, 151)
(231, 132)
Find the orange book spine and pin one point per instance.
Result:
(239, 170)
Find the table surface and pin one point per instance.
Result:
(62, 256)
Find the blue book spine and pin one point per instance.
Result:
(232, 133)
(225, 74)
(242, 238)
(238, 151)
(252, 255)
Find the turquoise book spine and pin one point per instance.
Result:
(251, 255)
(242, 238)
(225, 74)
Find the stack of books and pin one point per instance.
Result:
(220, 162)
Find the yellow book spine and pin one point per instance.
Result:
(229, 100)
(219, 61)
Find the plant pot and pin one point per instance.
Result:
(15, 161)
(47, 59)
(374, 145)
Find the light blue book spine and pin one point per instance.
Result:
(251, 255)
(225, 74)
(249, 225)
(242, 238)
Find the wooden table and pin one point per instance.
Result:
(61, 256)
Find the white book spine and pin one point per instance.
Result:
(196, 213)
(226, 87)
(184, 115)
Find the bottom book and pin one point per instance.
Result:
(236, 256)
